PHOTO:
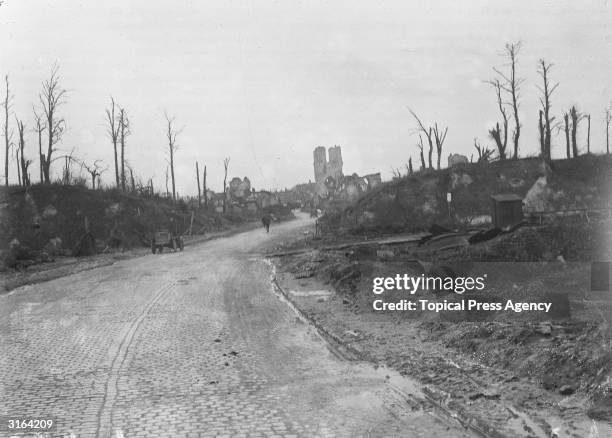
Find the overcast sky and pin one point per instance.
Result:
(265, 82)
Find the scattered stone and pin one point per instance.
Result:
(567, 390)
(385, 254)
(113, 209)
(49, 211)
(217, 340)
(544, 328)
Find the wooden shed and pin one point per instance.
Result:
(507, 210)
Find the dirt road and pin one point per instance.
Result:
(190, 344)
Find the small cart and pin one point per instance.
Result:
(164, 239)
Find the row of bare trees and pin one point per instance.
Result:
(435, 137)
(507, 87)
(49, 128)
(46, 118)
(118, 130)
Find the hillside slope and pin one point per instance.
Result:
(413, 203)
(48, 220)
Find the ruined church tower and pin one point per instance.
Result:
(324, 169)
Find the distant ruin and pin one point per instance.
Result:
(330, 180)
(327, 173)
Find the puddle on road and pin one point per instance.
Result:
(310, 293)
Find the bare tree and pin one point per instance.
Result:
(199, 188)
(67, 170)
(512, 85)
(51, 98)
(123, 123)
(226, 162)
(23, 163)
(546, 120)
(428, 134)
(204, 188)
(167, 191)
(39, 128)
(113, 133)
(440, 136)
(576, 118)
(171, 134)
(95, 170)
(484, 153)
(500, 134)
(421, 155)
(8, 133)
(566, 128)
(608, 120)
(17, 162)
(132, 178)
(588, 117)
(410, 169)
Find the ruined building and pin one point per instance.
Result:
(327, 173)
(330, 182)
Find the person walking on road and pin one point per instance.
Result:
(266, 223)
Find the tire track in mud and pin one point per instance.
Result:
(103, 428)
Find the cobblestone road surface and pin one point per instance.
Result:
(190, 344)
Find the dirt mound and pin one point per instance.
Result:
(413, 203)
(73, 220)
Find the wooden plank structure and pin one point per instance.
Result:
(507, 210)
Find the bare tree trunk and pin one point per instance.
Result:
(51, 98)
(608, 120)
(41, 157)
(39, 130)
(567, 135)
(547, 90)
(23, 163)
(199, 189)
(421, 154)
(541, 132)
(7, 140)
(171, 134)
(429, 139)
(225, 166)
(124, 131)
(575, 120)
(514, 83)
(439, 137)
(172, 173)
(18, 166)
(113, 133)
(167, 192)
(589, 134)
(410, 170)
(500, 137)
(122, 160)
(205, 189)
